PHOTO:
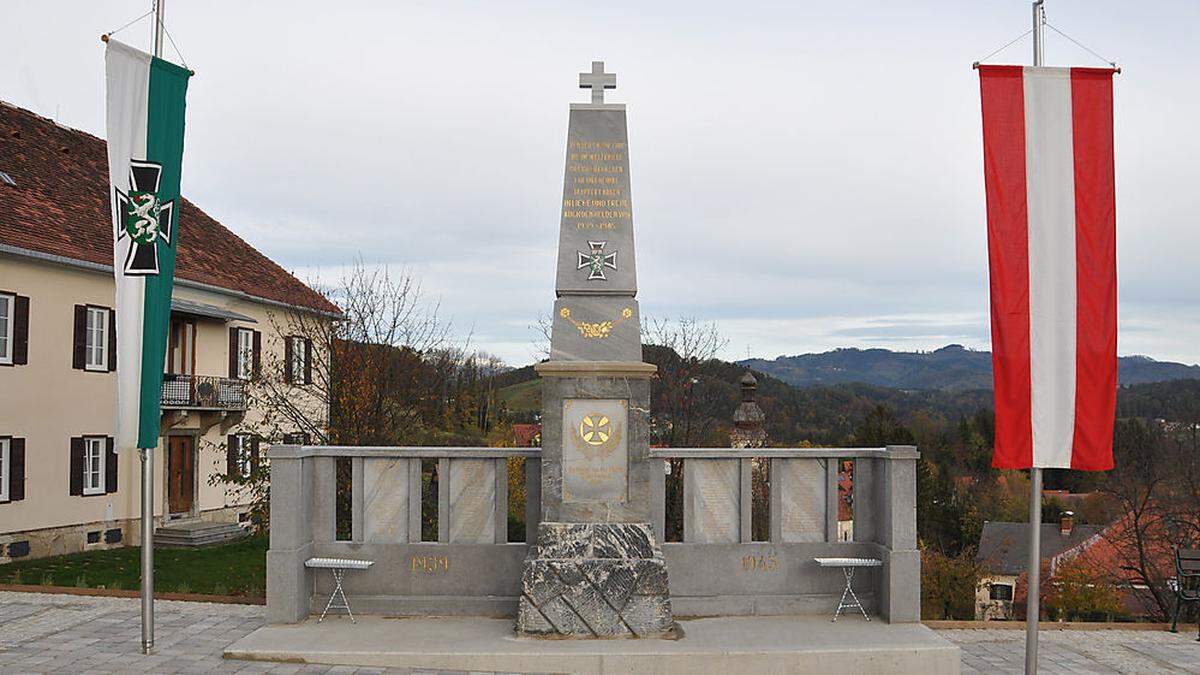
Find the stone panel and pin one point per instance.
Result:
(385, 500)
(713, 489)
(597, 216)
(802, 493)
(595, 442)
(636, 507)
(472, 501)
(595, 328)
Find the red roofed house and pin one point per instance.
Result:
(527, 435)
(62, 487)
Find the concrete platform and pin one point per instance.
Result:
(744, 645)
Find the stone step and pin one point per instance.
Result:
(197, 534)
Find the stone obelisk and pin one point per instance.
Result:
(596, 570)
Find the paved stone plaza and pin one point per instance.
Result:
(1079, 651)
(41, 633)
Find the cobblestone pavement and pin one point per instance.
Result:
(43, 633)
(1079, 651)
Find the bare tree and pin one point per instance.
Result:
(687, 409)
(1153, 486)
(364, 384)
(383, 373)
(540, 343)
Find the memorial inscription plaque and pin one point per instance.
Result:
(595, 456)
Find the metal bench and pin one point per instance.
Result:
(848, 566)
(338, 566)
(1186, 583)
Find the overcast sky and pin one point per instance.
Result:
(807, 175)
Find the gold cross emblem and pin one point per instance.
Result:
(595, 429)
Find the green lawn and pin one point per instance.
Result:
(239, 568)
(523, 397)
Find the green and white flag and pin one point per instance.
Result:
(145, 155)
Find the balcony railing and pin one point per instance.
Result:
(203, 392)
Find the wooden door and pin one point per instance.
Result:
(181, 474)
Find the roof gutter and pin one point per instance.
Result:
(187, 283)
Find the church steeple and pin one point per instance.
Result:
(748, 430)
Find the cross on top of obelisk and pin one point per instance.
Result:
(598, 81)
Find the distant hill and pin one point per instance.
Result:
(827, 413)
(951, 368)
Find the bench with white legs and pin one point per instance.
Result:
(339, 567)
(848, 566)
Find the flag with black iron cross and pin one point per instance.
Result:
(145, 108)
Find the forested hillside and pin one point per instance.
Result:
(951, 368)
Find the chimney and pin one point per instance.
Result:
(1067, 523)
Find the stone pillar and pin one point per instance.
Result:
(896, 531)
(289, 582)
(596, 570)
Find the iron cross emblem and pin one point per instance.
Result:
(596, 260)
(144, 219)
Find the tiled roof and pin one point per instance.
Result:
(1004, 547)
(526, 434)
(60, 206)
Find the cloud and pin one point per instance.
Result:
(808, 176)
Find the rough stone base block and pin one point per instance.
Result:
(595, 580)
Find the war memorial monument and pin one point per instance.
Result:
(595, 588)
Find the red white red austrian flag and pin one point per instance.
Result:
(1051, 209)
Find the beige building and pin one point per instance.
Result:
(1003, 558)
(62, 487)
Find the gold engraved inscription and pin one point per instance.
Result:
(760, 563)
(431, 564)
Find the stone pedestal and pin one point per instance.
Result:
(595, 580)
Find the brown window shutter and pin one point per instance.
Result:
(16, 465)
(79, 345)
(231, 455)
(233, 352)
(257, 353)
(307, 361)
(287, 360)
(77, 465)
(110, 467)
(253, 454)
(21, 331)
(112, 341)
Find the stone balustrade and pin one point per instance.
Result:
(472, 568)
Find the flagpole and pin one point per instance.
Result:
(1033, 592)
(147, 459)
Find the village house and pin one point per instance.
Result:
(1003, 557)
(63, 487)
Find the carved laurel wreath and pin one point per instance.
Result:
(598, 330)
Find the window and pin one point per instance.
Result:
(93, 466)
(245, 351)
(241, 455)
(299, 359)
(7, 307)
(298, 438)
(96, 346)
(245, 465)
(5, 470)
(1002, 592)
